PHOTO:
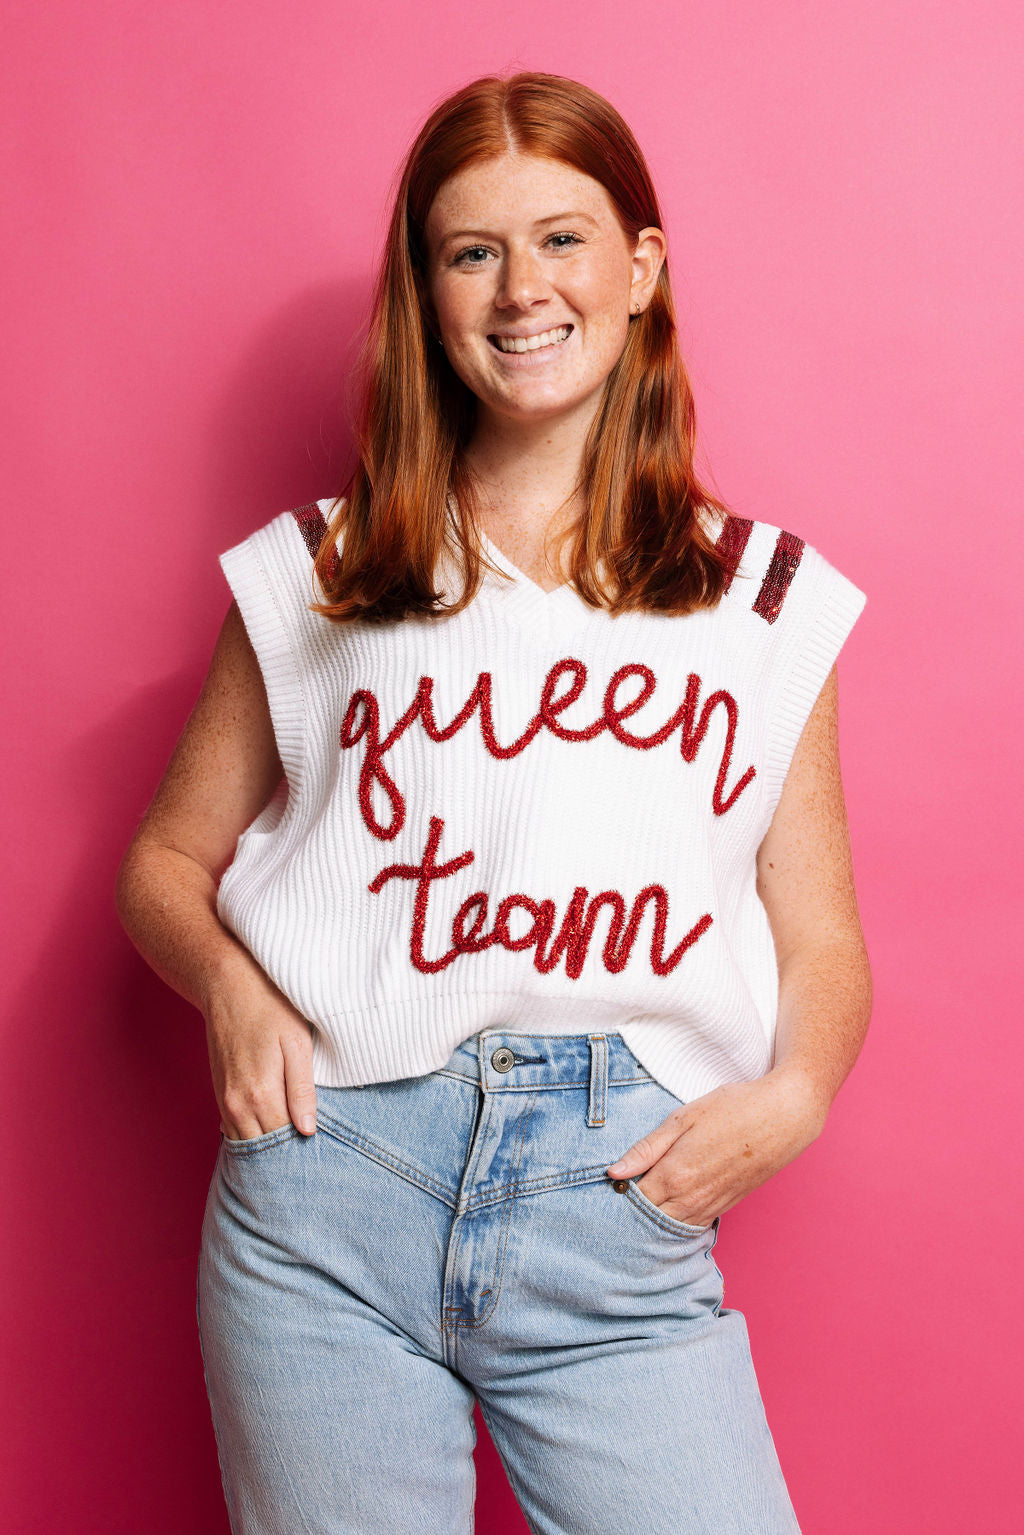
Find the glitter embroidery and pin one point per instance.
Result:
(574, 935)
(732, 541)
(313, 527)
(361, 722)
(780, 573)
(561, 688)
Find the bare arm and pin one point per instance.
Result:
(222, 773)
(708, 1155)
(805, 881)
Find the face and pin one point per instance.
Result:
(532, 280)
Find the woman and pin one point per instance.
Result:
(505, 855)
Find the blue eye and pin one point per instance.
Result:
(466, 257)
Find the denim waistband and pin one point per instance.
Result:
(508, 1060)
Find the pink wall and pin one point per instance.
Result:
(197, 199)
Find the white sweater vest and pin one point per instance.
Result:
(530, 816)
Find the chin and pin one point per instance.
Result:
(539, 410)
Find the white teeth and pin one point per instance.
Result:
(533, 343)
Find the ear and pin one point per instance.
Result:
(648, 259)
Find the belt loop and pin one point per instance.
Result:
(597, 1109)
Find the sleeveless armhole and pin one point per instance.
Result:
(821, 607)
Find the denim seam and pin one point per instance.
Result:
(650, 1211)
(510, 1201)
(495, 1195)
(531, 1087)
(450, 1330)
(716, 1308)
(520, 1142)
(378, 1153)
(252, 1147)
(453, 1322)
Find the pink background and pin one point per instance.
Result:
(197, 197)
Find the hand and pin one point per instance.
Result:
(711, 1152)
(261, 1056)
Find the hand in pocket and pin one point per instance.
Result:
(261, 1058)
(710, 1153)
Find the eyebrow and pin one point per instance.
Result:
(550, 218)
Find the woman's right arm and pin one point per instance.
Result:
(222, 773)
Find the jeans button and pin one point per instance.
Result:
(620, 1185)
(503, 1060)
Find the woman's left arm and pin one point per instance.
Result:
(712, 1152)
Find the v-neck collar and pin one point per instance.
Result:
(504, 563)
(549, 615)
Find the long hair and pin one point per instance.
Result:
(640, 544)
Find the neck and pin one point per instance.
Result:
(527, 474)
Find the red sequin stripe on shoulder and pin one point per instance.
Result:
(311, 524)
(732, 541)
(779, 575)
(313, 527)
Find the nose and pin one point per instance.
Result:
(523, 282)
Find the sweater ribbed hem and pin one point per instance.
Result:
(400, 1040)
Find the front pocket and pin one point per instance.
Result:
(652, 1212)
(254, 1143)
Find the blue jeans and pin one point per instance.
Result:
(453, 1238)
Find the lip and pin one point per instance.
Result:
(524, 335)
(540, 357)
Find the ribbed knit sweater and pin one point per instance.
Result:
(531, 815)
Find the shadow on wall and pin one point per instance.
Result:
(281, 434)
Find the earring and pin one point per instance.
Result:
(636, 307)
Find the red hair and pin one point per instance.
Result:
(410, 497)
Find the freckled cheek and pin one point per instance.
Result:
(456, 313)
(604, 343)
(467, 337)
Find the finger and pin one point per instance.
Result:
(646, 1151)
(254, 1110)
(299, 1085)
(243, 1128)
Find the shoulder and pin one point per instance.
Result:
(311, 521)
(775, 575)
(271, 576)
(786, 614)
(293, 536)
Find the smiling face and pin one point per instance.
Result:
(532, 280)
